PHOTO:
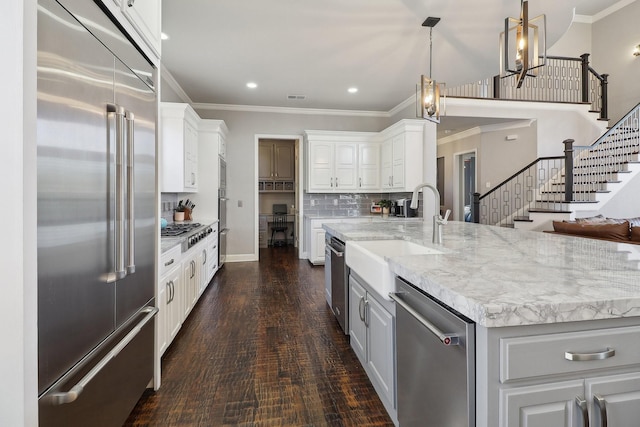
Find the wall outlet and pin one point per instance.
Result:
(488, 185)
(335, 202)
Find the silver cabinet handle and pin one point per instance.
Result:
(120, 178)
(360, 181)
(131, 186)
(204, 253)
(338, 254)
(336, 182)
(170, 289)
(360, 304)
(366, 311)
(75, 391)
(173, 290)
(601, 403)
(331, 181)
(168, 263)
(583, 357)
(582, 405)
(446, 339)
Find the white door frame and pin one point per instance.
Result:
(299, 187)
(458, 206)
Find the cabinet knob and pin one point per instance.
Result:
(130, 3)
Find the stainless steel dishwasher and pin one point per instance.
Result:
(339, 288)
(435, 359)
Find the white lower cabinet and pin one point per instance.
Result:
(191, 277)
(173, 307)
(372, 336)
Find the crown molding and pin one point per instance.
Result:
(289, 110)
(166, 75)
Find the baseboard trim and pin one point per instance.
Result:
(242, 258)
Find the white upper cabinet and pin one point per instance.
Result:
(142, 21)
(146, 17)
(179, 148)
(390, 160)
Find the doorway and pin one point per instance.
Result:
(465, 184)
(277, 192)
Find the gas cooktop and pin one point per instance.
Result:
(176, 229)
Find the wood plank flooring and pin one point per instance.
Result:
(261, 348)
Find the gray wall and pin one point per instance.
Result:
(613, 40)
(496, 158)
(241, 148)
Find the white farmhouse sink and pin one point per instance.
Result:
(368, 259)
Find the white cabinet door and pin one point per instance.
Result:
(386, 169)
(203, 269)
(191, 283)
(369, 166)
(178, 148)
(317, 249)
(321, 166)
(145, 16)
(398, 161)
(357, 326)
(174, 303)
(346, 167)
(380, 345)
(614, 400)
(191, 156)
(543, 405)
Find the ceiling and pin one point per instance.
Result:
(319, 49)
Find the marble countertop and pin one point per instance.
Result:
(504, 277)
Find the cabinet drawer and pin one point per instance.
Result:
(534, 356)
(170, 259)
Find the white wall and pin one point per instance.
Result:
(241, 151)
(18, 305)
(614, 37)
(575, 42)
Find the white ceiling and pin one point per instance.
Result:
(320, 48)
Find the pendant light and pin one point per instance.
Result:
(523, 45)
(429, 92)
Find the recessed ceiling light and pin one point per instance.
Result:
(252, 85)
(352, 89)
(163, 36)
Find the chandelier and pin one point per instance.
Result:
(523, 45)
(428, 91)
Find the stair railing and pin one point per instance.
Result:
(512, 198)
(595, 164)
(561, 79)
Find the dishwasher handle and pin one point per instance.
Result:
(446, 339)
(338, 254)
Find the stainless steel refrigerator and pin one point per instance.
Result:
(96, 217)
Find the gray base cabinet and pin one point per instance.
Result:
(580, 374)
(372, 335)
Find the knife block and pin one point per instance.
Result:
(187, 214)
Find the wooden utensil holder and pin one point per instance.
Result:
(187, 214)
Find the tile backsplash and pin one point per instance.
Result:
(330, 204)
(168, 202)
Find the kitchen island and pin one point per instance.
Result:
(536, 300)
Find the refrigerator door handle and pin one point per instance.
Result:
(131, 185)
(75, 391)
(119, 271)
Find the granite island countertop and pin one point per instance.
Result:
(504, 277)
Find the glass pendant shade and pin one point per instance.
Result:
(523, 45)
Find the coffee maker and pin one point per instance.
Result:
(403, 208)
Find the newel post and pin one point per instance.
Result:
(476, 208)
(568, 170)
(496, 87)
(585, 77)
(604, 93)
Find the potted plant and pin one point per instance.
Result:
(386, 206)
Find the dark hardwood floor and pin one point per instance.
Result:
(261, 348)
